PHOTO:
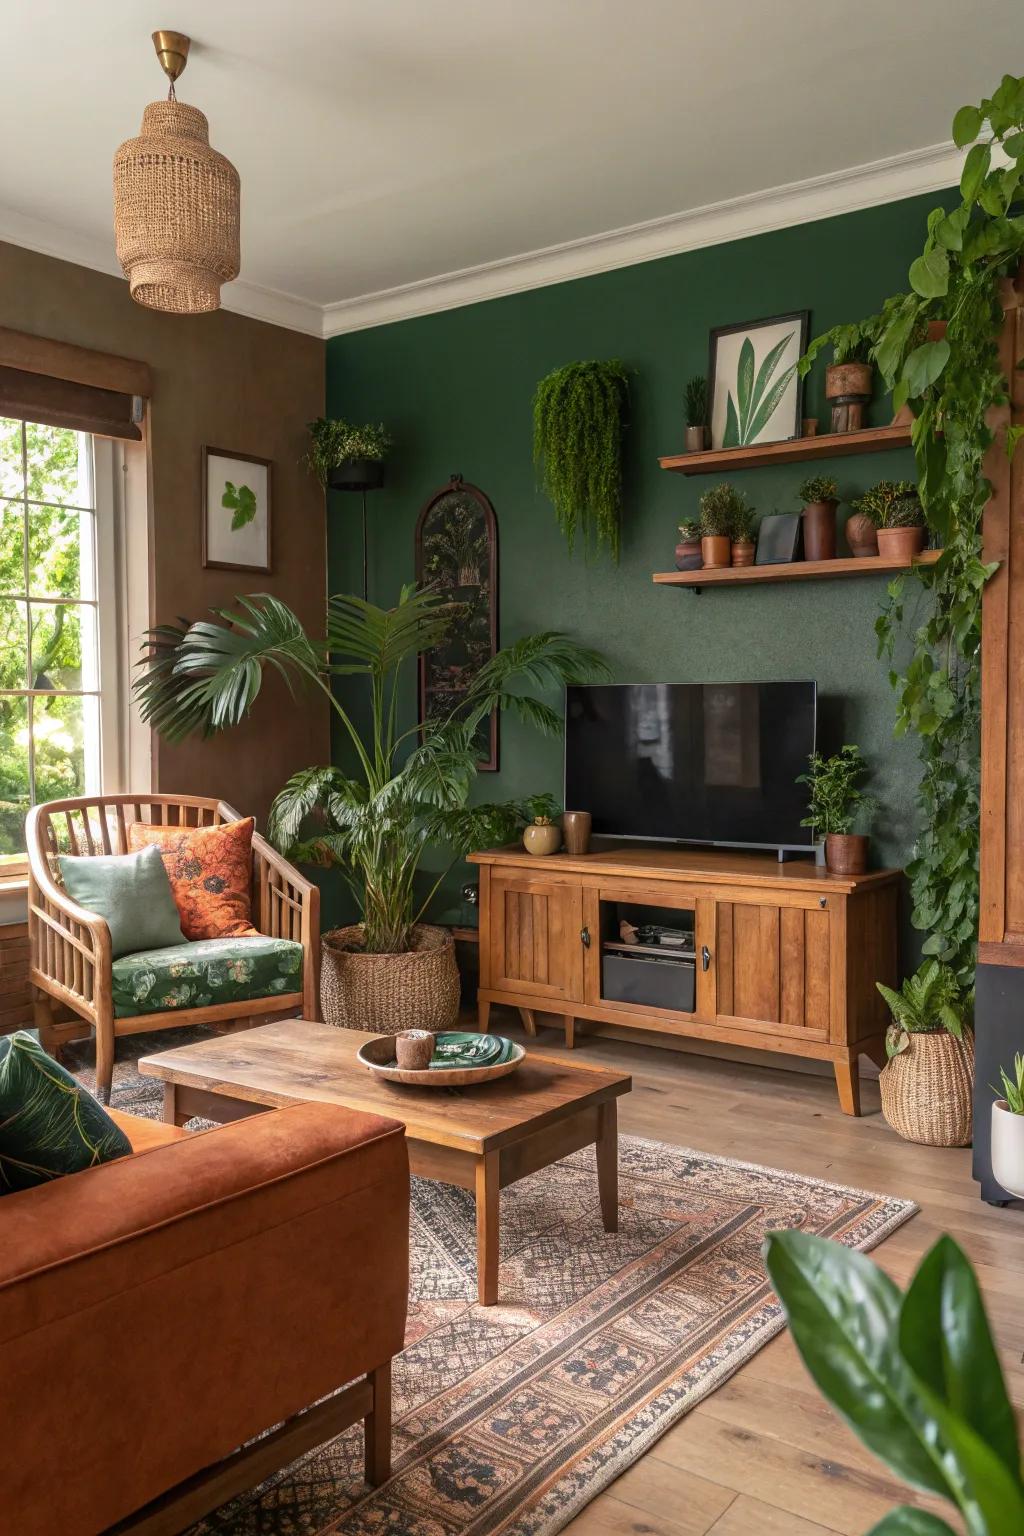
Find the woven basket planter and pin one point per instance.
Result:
(927, 1090)
(389, 993)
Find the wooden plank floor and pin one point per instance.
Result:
(765, 1455)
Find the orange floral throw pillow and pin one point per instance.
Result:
(210, 870)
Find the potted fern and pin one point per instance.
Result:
(1008, 1130)
(344, 457)
(836, 802)
(927, 1082)
(696, 398)
(400, 790)
(819, 496)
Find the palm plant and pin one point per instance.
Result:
(403, 794)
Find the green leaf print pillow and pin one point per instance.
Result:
(49, 1124)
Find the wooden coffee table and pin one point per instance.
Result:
(480, 1139)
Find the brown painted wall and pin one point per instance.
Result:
(232, 383)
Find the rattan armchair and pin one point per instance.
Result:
(69, 948)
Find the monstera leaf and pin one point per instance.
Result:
(241, 500)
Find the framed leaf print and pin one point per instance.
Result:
(457, 555)
(236, 512)
(754, 390)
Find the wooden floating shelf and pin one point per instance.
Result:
(795, 450)
(798, 570)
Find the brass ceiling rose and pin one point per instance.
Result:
(176, 202)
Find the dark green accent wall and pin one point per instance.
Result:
(455, 389)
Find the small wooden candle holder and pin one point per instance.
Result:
(414, 1050)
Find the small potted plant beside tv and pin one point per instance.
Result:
(718, 508)
(836, 804)
(688, 556)
(901, 532)
(345, 457)
(696, 396)
(927, 1083)
(744, 524)
(820, 500)
(1008, 1130)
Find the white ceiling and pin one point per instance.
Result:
(385, 145)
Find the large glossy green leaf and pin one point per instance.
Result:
(924, 365)
(945, 1336)
(976, 168)
(844, 1315)
(907, 1521)
(966, 126)
(929, 274)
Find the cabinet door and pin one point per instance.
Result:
(773, 965)
(534, 937)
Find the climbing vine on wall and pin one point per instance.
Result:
(952, 383)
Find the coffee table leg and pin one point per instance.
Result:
(608, 1164)
(487, 1228)
(170, 1105)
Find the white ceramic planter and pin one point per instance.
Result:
(1008, 1149)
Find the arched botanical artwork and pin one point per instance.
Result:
(457, 554)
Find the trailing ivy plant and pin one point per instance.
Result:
(578, 420)
(951, 385)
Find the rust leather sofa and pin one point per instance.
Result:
(160, 1311)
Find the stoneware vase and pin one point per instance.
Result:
(848, 386)
(542, 840)
(743, 551)
(576, 831)
(414, 1050)
(695, 439)
(928, 1089)
(900, 543)
(846, 853)
(716, 552)
(819, 521)
(1008, 1149)
(688, 555)
(861, 535)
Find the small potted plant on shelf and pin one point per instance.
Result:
(718, 507)
(820, 500)
(696, 397)
(345, 457)
(744, 524)
(870, 511)
(1008, 1130)
(927, 1082)
(901, 532)
(836, 803)
(688, 556)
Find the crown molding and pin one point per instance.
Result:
(240, 298)
(820, 197)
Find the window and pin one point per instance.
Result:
(59, 684)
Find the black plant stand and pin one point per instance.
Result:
(360, 475)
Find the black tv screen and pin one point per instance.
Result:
(692, 762)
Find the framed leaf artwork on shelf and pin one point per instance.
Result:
(235, 511)
(755, 391)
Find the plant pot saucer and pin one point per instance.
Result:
(379, 1057)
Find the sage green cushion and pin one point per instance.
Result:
(132, 892)
(205, 972)
(49, 1124)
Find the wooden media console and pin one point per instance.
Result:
(777, 956)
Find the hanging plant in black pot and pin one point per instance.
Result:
(578, 418)
(344, 457)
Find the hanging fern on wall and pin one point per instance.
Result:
(578, 419)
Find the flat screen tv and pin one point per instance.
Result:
(692, 762)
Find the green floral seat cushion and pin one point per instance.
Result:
(203, 973)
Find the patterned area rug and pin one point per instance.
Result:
(511, 1418)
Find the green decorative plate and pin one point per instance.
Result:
(461, 1060)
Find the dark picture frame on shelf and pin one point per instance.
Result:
(457, 555)
(778, 539)
(235, 511)
(755, 394)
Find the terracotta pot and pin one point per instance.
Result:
(688, 556)
(861, 535)
(716, 552)
(820, 530)
(846, 853)
(695, 439)
(809, 426)
(927, 1089)
(900, 543)
(848, 386)
(576, 831)
(743, 551)
(542, 840)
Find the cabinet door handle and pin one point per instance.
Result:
(705, 957)
(585, 937)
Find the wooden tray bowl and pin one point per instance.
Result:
(376, 1054)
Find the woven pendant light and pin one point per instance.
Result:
(176, 202)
